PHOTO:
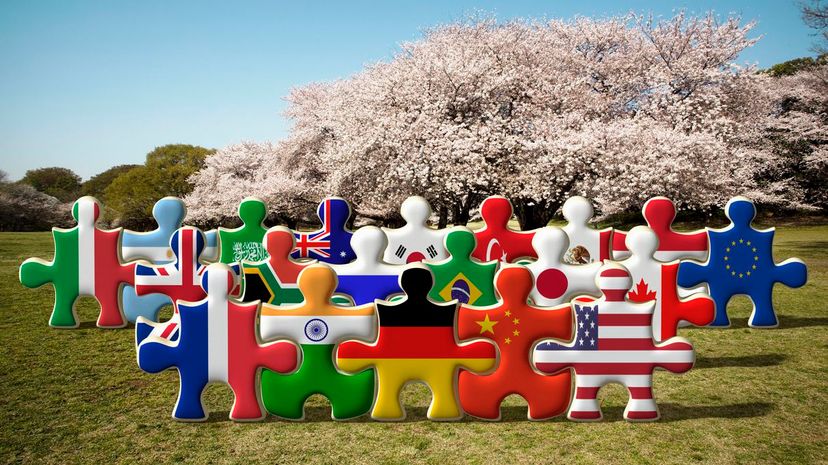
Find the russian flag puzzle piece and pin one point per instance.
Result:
(496, 241)
(515, 327)
(461, 276)
(87, 262)
(614, 344)
(555, 281)
(318, 325)
(368, 277)
(275, 279)
(415, 241)
(215, 341)
(332, 243)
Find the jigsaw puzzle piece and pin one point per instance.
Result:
(275, 280)
(515, 327)
(416, 342)
(555, 281)
(586, 244)
(415, 241)
(496, 241)
(460, 276)
(332, 243)
(368, 277)
(245, 242)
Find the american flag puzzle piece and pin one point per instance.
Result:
(214, 340)
(655, 281)
(614, 343)
(515, 327)
(460, 276)
(332, 243)
(555, 281)
(741, 263)
(368, 277)
(415, 242)
(318, 325)
(416, 342)
(275, 279)
(586, 244)
(496, 240)
(87, 262)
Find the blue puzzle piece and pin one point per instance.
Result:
(364, 289)
(741, 262)
(332, 243)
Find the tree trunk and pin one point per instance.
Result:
(536, 215)
(443, 221)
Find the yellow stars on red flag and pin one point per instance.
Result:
(486, 325)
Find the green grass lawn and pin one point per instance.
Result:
(77, 396)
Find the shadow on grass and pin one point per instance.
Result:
(761, 360)
(785, 322)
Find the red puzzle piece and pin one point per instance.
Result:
(659, 213)
(515, 327)
(496, 241)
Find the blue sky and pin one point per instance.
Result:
(92, 84)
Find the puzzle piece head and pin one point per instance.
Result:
(252, 211)
(740, 211)
(460, 242)
(496, 210)
(642, 242)
(415, 210)
(317, 283)
(614, 281)
(86, 210)
(577, 210)
(659, 213)
(169, 213)
(219, 279)
(416, 282)
(337, 217)
(279, 241)
(178, 240)
(514, 283)
(550, 243)
(369, 243)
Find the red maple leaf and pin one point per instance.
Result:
(642, 293)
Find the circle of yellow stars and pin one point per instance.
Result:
(487, 325)
(733, 246)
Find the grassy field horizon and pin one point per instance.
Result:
(77, 396)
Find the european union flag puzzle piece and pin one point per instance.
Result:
(217, 342)
(741, 262)
(368, 277)
(460, 276)
(496, 240)
(332, 243)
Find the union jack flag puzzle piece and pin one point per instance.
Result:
(332, 243)
(555, 281)
(154, 247)
(741, 262)
(318, 325)
(368, 277)
(87, 262)
(415, 242)
(586, 244)
(416, 342)
(614, 343)
(515, 327)
(496, 240)
(275, 280)
(461, 277)
(216, 341)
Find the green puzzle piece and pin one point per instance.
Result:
(245, 242)
(462, 277)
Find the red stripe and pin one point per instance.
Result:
(625, 319)
(168, 330)
(591, 415)
(625, 344)
(642, 368)
(641, 392)
(417, 342)
(615, 273)
(642, 415)
(586, 392)
(163, 271)
(614, 295)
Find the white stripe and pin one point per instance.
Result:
(670, 255)
(641, 405)
(339, 327)
(173, 278)
(217, 327)
(153, 254)
(607, 282)
(622, 308)
(625, 332)
(86, 247)
(627, 380)
(614, 356)
(584, 405)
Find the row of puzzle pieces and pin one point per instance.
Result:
(90, 261)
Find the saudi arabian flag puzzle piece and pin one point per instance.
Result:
(318, 325)
(462, 277)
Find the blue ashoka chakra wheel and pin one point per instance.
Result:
(316, 330)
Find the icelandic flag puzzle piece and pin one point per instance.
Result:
(332, 243)
(416, 341)
(614, 343)
(496, 241)
(368, 277)
(87, 262)
(515, 327)
(415, 242)
(461, 277)
(557, 282)
(215, 340)
(586, 245)
(741, 262)
(318, 325)
(274, 280)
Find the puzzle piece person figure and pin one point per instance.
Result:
(275, 280)
(586, 245)
(614, 343)
(659, 213)
(368, 277)
(416, 342)
(318, 326)
(217, 342)
(332, 243)
(741, 262)
(556, 282)
(515, 327)
(415, 241)
(462, 277)
(87, 262)
(496, 241)
(655, 281)
(245, 242)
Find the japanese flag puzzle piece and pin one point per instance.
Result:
(462, 277)
(586, 245)
(415, 241)
(496, 241)
(368, 277)
(557, 282)
(217, 342)
(332, 243)
(87, 262)
(275, 279)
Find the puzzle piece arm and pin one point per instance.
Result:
(472, 323)
(792, 273)
(691, 273)
(35, 272)
(478, 356)
(156, 355)
(675, 355)
(699, 309)
(355, 356)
